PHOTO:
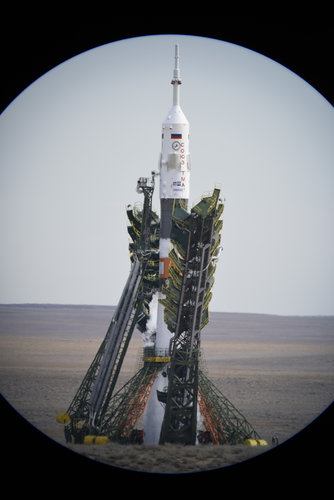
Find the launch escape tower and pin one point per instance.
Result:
(173, 258)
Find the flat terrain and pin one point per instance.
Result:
(278, 371)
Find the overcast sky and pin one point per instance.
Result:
(74, 143)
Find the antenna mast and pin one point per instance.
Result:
(176, 78)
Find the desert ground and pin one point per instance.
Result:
(277, 370)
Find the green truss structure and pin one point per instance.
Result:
(92, 403)
(195, 239)
(128, 405)
(96, 409)
(222, 421)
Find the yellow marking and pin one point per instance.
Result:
(157, 359)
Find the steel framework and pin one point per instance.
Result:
(128, 405)
(222, 421)
(96, 410)
(195, 239)
(92, 402)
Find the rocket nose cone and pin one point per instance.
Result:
(176, 115)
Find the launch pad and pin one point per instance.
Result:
(173, 261)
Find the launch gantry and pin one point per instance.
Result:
(92, 404)
(173, 258)
(96, 409)
(195, 239)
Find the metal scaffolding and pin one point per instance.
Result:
(96, 410)
(92, 403)
(222, 421)
(194, 238)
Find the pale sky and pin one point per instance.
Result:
(74, 143)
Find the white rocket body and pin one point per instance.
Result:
(174, 185)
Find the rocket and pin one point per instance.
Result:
(174, 189)
(174, 170)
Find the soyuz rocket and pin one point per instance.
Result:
(91, 409)
(174, 189)
(174, 186)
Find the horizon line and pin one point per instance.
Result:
(52, 304)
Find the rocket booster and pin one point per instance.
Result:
(174, 186)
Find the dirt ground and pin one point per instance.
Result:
(278, 371)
